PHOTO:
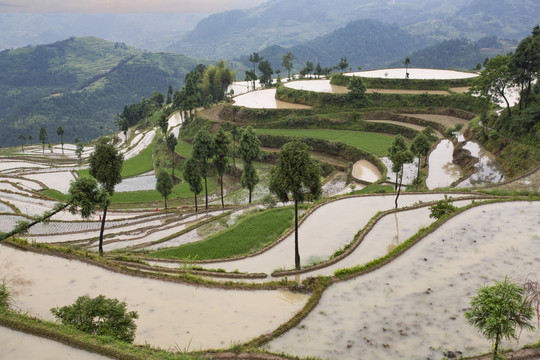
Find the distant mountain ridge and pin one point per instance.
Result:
(79, 84)
(365, 43)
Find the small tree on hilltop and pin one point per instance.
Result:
(343, 64)
(296, 176)
(22, 139)
(287, 63)
(99, 316)
(498, 310)
(164, 184)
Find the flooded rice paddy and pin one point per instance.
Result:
(413, 307)
(321, 85)
(17, 345)
(414, 73)
(365, 171)
(488, 171)
(264, 99)
(410, 171)
(442, 171)
(169, 314)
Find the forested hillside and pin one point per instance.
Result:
(460, 54)
(79, 84)
(366, 43)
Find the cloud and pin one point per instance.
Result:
(127, 6)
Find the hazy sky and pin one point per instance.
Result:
(124, 6)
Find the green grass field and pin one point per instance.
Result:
(139, 164)
(249, 235)
(373, 142)
(184, 149)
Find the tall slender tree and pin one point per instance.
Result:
(400, 155)
(420, 147)
(221, 141)
(106, 166)
(255, 58)
(266, 72)
(171, 145)
(287, 63)
(164, 184)
(22, 139)
(407, 62)
(249, 149)
(43, 137)
(60, 132)
(296, 177)
(192, 175)
(203, 151)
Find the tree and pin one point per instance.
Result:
(525, 64)
(30, 138)
(249, 149)
(235, 134)
(400, 155)
(266, 73)
(494, 80)
(99, 316)
(43, 137)
(298, 177)
(249, 178)
(251, 76)
(318, 69)
(309, 68)
(343, 64)
(171, 145)
(407, 62)
(79, 148)
(192, 176)
(498, 310)
(287, 63)
(163, 124)
(420, 147)
(357, 89)
(203, 151)
(106, 166)
(169, 95)
(221, 141)
(22, 138)
(164, 184)
(124, 127)
(60, 132)
(255, 58)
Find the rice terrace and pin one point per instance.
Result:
(411, 189)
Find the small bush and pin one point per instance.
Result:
(5, 296)
(443, 207)
(99, 316)
(269, 201)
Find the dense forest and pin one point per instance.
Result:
(79, 84)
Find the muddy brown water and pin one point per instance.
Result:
(442, 171)
(413, 307)
(169, 314)
(365, 171)
(16, 345)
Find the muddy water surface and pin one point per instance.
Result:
(264, 99)
(413, 307)
(442, 171)
(169, 314)
(366, 171)
(488, 170)
(16, 345)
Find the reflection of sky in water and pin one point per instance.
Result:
(139, 183)
(415, 73)
(488, 171)
(4, 208)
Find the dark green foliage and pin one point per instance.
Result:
(171, 145)
(85, 196)
(287, 63)
(203, 151)
(5, 295)
(164, 184)
(43, 137)
(442, 208)
(266, 73)
(358, 90)
(420, 147)
(99, 316)
(221, 141)
(192, 176)
(249, 147)
(249, 178)
(63, 84)
(60, 132)
(497, 311)
(296, 177)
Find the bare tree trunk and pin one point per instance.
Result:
(399, 188)
(196, 210)
(296, 252)
(418, 174)
(206, 192)
(250, 196)
(221, 182)
(102, 230)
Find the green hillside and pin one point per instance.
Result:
(79, 84)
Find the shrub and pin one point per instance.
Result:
(5, 295)
(99, 316)
(442, 207)
(269, 201)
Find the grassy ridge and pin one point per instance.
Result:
(249, 235)
(372, 142)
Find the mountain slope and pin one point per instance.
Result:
(79, 84)
(366, 43)
(287, 23)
